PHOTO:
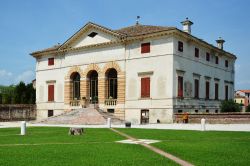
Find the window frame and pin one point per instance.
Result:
(51, 61)
(180, 92)
(180, 46)
(207, 56)
(145, 87)
(197, 52)
(145, 48)
(207, 90)
(51, 92)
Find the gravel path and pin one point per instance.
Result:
(174, 126)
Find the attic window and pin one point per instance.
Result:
(92, 34)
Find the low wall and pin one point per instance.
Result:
(213, 118)
(16, 112)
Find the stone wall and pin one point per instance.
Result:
(16, 112)
(215, 118)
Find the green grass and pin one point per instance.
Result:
(201, 148)
(44, 146)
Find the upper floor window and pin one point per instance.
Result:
(145, 48)
(145, 87)
(196, 52)
(216, 60)
(207, 56)
(226, 63)
(51, 61)
(180, 46)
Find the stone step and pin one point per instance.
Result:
(83, 116)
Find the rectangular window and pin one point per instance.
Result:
(145, 87)
(226, 92)
(180, 46)
(180, 86)
(207, 89)
(145, 48)
(226, 63)
(51, 61)
(50, 92)
(216, 86)
(197, 52)
(50, 113)
(196, 88)
(207, 56)
(216, 60)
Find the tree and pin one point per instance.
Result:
(19, 94)
(248, 108)
(229, 106)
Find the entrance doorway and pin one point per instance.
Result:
(93, 87)
(144, 116)
(111, 84)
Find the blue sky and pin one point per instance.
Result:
(30, 25)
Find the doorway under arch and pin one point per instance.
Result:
(93, 86)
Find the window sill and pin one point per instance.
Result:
(50, 101)
(145, 98)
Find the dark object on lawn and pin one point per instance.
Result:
(127, 124)
(76, 131)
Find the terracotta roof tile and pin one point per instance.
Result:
(54, 48)
(142, 30)
(245, 91)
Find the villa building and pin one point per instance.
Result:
(140, 73)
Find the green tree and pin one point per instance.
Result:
(248, 108)
(229, 106)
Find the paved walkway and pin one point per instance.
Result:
(154, 149)
(209, 127)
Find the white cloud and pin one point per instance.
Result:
(4, 73)
(26, 76)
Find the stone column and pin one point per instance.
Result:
(67, 92)
(121, 88)
(101, 89)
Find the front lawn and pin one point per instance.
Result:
(47, 146)
(201, 148)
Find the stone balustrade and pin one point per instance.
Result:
(110, 102)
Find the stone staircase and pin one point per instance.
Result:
(83, 116)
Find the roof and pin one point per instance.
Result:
(53, 48)
(139, 29)
(245, 91)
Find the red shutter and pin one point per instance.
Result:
(217, 60)
(197, 52)
(180, 86)
(226, 63)
(207, 56)
(145, 87)
(207, 90)
(226, 92)
(196, 84)
(145, 48)
(50, 92)
(180, 46)
(216, 91)
(51, 61)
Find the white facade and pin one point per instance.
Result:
(163, 64)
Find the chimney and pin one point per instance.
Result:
(220, 43)
(187, 25)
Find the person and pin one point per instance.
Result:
(185, 117)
